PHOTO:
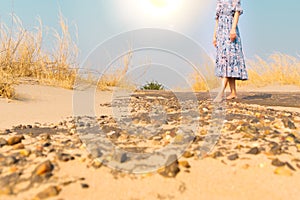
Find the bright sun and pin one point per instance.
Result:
(160, 7)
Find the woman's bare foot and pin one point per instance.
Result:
(231, 97)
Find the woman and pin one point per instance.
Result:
(230, 63)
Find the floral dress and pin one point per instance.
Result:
(230, 58)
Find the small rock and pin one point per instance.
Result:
(217, 154)
(157, 138)
(65, 157)
(172, 169)
(283, 171)
(7, 131)
(254, 151)
(51, 191)
(8, 161)
(25, 152)
(120, 157)
(47, 144)
(7, 190)
(188, 154)
(288, 123)
(84, 185)
(184, 163)
(233, 156)
(276, 162)
(96, 152)
(45, 136)
(43, 168)
(290, 166)
(18, 146)
(29, 126)
(3, 142)
(15, 139)
(96, 164)
(276, 149)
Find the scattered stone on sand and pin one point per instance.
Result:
(276, 162)
(233, 156)
(3, 142)
(15, 139)
(43, 168)
(120, 157)
(65, 157)
(288, 123)
(187, 154)
(18, 146)
(283, 171)
(51, 191)
(254, 150)
(217, 154)
(184, 163)
(84, 185)
(172, 168)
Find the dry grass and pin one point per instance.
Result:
(117, 76)
(6, 85)
(22, 54)
(206, 80)
(278, 69)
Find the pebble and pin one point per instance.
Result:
(8, 161)
(217, 154)
(51, 191)
(25, 152)
(96, 164)
(120, 157)
(65, 157)
(288, 123)
(276, 162)
(254, 151)
(15, 139)
(172, 168)
(43, 168)
(184, 163)
(84, 185)
(3, 142)
(188, 154)
(18, 146)
(233, 156)
(283, 171)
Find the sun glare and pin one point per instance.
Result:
(160, 8)
(170, 14)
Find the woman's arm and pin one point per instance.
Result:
(215, 33)
(234, 25)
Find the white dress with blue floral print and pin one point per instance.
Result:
(230, 58)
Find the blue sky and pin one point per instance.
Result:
(267, 26)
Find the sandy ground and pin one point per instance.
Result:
(207, 179)
(43, 104)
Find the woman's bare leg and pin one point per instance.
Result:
(220, 95)
(232, 89)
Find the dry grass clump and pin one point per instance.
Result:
(116, 77)
(277, 69)
(6, 85)
(23, 54)
(205, 79)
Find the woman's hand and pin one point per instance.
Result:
(233, 35)
(215, 41)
